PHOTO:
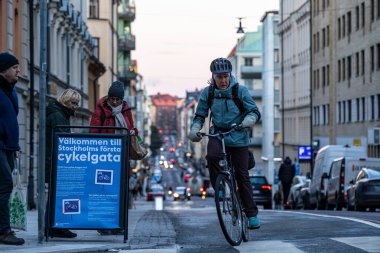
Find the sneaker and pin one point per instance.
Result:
(61, 233)
(253, 222)
(9, 237)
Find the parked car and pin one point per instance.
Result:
(323, 161)
(294, 199)
(262, 191)
(181, 192)
(364, 191)
(305, 194)
(156, 190)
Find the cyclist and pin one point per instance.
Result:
(225, 113)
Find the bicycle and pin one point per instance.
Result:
(231, 216)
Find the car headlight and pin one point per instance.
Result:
(176, 195)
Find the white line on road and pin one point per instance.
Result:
(332, 216)
(272, 246)
(367, 243)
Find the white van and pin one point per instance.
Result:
(323, 161)
(342, 171)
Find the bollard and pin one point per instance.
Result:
(159, 203)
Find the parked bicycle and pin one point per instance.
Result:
(231, 215)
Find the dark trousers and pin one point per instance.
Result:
(285, 191)
(239, 157)
(6, 185)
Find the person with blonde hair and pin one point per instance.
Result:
(59, 112)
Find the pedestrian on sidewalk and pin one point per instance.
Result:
(9, 141)
(58, 112)
(113, 111)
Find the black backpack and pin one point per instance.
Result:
(235, 97)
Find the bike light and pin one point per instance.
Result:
(222, 163)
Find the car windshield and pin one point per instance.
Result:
(258, 180)
(180, 189)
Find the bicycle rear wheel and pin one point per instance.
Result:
(229, 210)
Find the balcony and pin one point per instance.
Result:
(251, 72)
(126, 12)
(127, 42)
(127, 75)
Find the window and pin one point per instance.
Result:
(344, 111)
(318, 42)
(323, 76)
(323, 38)
(378, 106)
(378, 10)
(344, 69)
(96, 47)
(357, 109)
(349, 67)
(343, 26)
(363, 14)
(94, 8)
(372, 10)
(324, 114)
(339, 72)
(328, 36)
(339, 29)
(372, 58)
(357, 11)
(248, 61)
(318, 78)
(276, 55)
(349, 23)
(357, 64)
(363, 62)
(378, 54)
(349, 110)
(372, 107)
(363, 108)
(328, 75)
(339, 112)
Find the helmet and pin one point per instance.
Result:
(220, 65)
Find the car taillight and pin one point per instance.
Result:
(266, 187)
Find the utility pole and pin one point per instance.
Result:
(42, 111)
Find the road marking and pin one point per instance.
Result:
(149, 251)
(367, 243)
(274, 246)
(332, 216)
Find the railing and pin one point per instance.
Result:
(127, 42)
(127, 12)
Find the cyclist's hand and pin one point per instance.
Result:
(194, 134)
(236, 127)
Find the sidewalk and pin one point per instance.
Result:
(147, 228)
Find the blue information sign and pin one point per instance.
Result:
(304, 152)
(88, 181)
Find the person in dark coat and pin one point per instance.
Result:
(9, 142)
(58, 112)
(286, 174)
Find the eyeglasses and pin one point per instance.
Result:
(114, 99)
(74, 103)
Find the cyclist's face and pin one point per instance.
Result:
(222, 81)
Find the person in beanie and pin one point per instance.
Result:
(112, 110)
(58, 112)
(9, 142)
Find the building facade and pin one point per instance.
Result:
(294, 32)
(346, 73)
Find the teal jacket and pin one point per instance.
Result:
(224, 112)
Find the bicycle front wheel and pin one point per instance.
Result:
(229, 210)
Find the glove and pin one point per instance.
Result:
(249, 121)
(236, 127)
(193, 135)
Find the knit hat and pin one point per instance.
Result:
(7, 60)
(116, 90)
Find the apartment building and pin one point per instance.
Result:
(294, 32)
(346, 73)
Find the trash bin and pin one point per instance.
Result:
(159, 203)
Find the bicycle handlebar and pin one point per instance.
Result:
(222, 133)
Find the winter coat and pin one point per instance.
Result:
(102, 108)
(56, 114)
(225, 112)
(286, 172)
(9, 129)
